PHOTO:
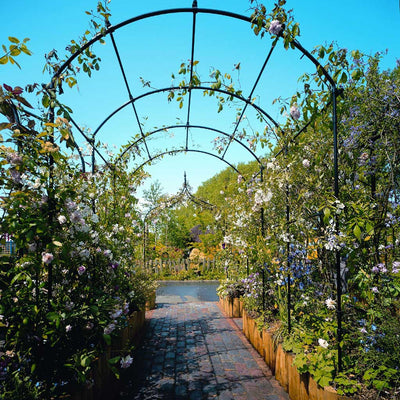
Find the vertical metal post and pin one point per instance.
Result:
(336, 192)
(289, 293)
(262, 208)
(263, 288)
(51, 203)
(93, 170)
(144, 244)
(114, 193)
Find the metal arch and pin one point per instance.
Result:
(175, 151)
(194, 199)
(113, 28)
(177, 199)
(187, 87)
(190, 126)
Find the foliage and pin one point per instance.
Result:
(69, 288)
(298, 249)
(231, 289)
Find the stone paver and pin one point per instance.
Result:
(191, 351)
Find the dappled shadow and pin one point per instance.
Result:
(191, 351)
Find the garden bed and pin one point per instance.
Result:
(233, 307)
(105, 384)
(299, 386)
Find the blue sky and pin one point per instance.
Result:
(153, 49)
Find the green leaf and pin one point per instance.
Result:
(14, 51)
(16, 277)
(13, 39)
(46, 101)
(114, 360)
(369, 229)
(107, 339)
(357, 232)
(327, 214)
(52, 316)
(343, 78)
(85, 361)
(4, 60)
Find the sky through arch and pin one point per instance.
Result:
(215, 37)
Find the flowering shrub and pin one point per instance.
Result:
(231, 289)
(305, 227)
(69, 288)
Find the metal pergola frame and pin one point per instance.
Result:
(246, 101)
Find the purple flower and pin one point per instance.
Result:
(109, 328)
(15, 176)
(294, 112)
(126, 361)
(275, 27)
(81, 270)
(375, 269)
(32, 247)
(14, 159)
(375, 290)
(396, 267)
(47, 258)
(379, 268)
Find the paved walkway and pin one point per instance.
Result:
(191, 351)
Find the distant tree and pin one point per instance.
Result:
(154, 194)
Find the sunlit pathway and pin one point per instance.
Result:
(191, 351)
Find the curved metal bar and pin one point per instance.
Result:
(113, 28)
(173, 88)
(171, 152)
(190, 126)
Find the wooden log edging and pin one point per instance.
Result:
(105, 384)
(299, 386)
(233, 307)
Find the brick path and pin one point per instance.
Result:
(191, 351)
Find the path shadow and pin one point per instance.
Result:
(191, 351)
